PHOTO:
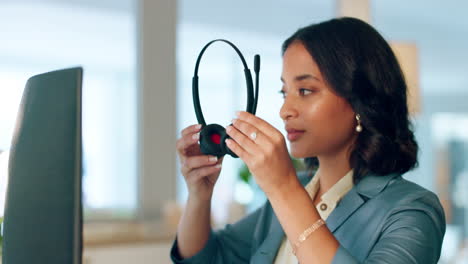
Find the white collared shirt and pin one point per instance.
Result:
(328, 202)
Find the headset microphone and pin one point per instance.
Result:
(213, 136)
(257, 72)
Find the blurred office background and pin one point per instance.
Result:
(130, 107)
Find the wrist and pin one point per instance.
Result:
(290, 185)
(199, 200)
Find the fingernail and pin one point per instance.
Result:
(213, 159)
(234, 120)
(218, 166)
(198, 126)
(238, 113)
(229, 128)
(196, 136)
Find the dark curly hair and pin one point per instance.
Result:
(359, 65)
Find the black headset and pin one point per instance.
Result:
(213, 136)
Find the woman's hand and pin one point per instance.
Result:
(200, 171)
(263, 149)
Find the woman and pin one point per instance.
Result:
(345, 111)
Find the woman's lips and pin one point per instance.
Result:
(294, 134)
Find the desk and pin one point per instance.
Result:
(138, 253)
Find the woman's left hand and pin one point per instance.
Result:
(263, 149)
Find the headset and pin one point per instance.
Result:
(213, 136)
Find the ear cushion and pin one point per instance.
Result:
(226, 148)
(211, 140)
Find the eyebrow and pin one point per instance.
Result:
(303, 77)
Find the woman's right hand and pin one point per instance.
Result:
(200, 171)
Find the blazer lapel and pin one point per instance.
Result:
(369, 187)
(346, 207)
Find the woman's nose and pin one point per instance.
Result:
(289, 109)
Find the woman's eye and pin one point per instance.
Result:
(303, 91)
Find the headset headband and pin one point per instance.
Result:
(251, 98)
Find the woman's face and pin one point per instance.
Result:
(318, 122)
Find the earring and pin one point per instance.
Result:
(359, 126)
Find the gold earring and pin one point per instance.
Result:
(359, 126)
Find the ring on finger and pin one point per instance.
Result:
(253, 136)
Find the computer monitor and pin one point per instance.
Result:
(43, 211)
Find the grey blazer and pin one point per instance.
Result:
(382, 219)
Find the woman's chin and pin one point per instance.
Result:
(298, 154)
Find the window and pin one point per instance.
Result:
(50, 35)
(450, 144)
